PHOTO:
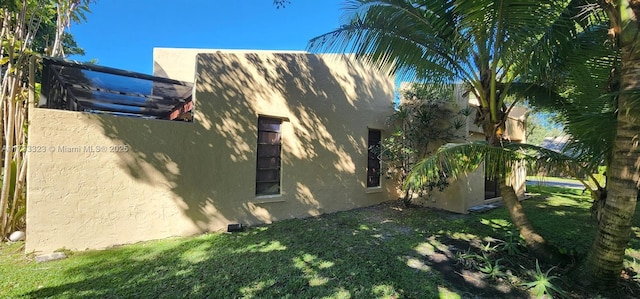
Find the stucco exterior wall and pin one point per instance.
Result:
(460, 195)
(152, 179)
(469, 190)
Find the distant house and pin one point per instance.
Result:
(256, 137)
(556, 144)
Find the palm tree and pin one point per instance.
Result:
(485, 44)
(601, 111)
(605, 259)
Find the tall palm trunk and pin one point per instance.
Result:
(605, 260)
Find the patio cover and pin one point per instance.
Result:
(74, 86)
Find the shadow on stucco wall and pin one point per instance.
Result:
(208, 167)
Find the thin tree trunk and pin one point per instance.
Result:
(535, 243)
(18, 39)
(19, 157)
(6, 173)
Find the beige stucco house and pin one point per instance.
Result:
(273, 136)
(257, 137)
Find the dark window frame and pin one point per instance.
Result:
(374, 165)
(268, 156)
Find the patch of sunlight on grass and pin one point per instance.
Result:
(532, 193)
(254, 231)
(308, 265)
(184, 272)
(317, 281)
(341, 293)
(425, 249)
(417, 264)
(560, 213)
(325, 264)
(444, 293)
(197, 254)
(496, 223)
(141, 251)
(384, 291)
(252, 290)
(565, 201)
(263, 247)
(462, 236)
(437, 244)
(308, 258)
(363, 227)
(312, 261)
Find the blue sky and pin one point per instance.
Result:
(123, 33)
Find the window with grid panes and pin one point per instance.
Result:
(269, 160)
(373, 165)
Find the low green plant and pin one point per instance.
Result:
(511, 244)
(488, 248)
(542, 285)
(566, 251)
(492, 269)
(466, 259)
(482, 263)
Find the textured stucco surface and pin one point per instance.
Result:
(178, 178)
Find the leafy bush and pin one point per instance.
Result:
(426, 117)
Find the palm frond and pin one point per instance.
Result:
(395, 36)
(455, 160)
(559, 38)
(535, 93)
(439, 41)
(582, 71)
(541, 159)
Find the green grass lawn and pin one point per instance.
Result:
(385, 251)
(553, 179)
(549, 179)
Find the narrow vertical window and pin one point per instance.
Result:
(373, 165)
(268, 165)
